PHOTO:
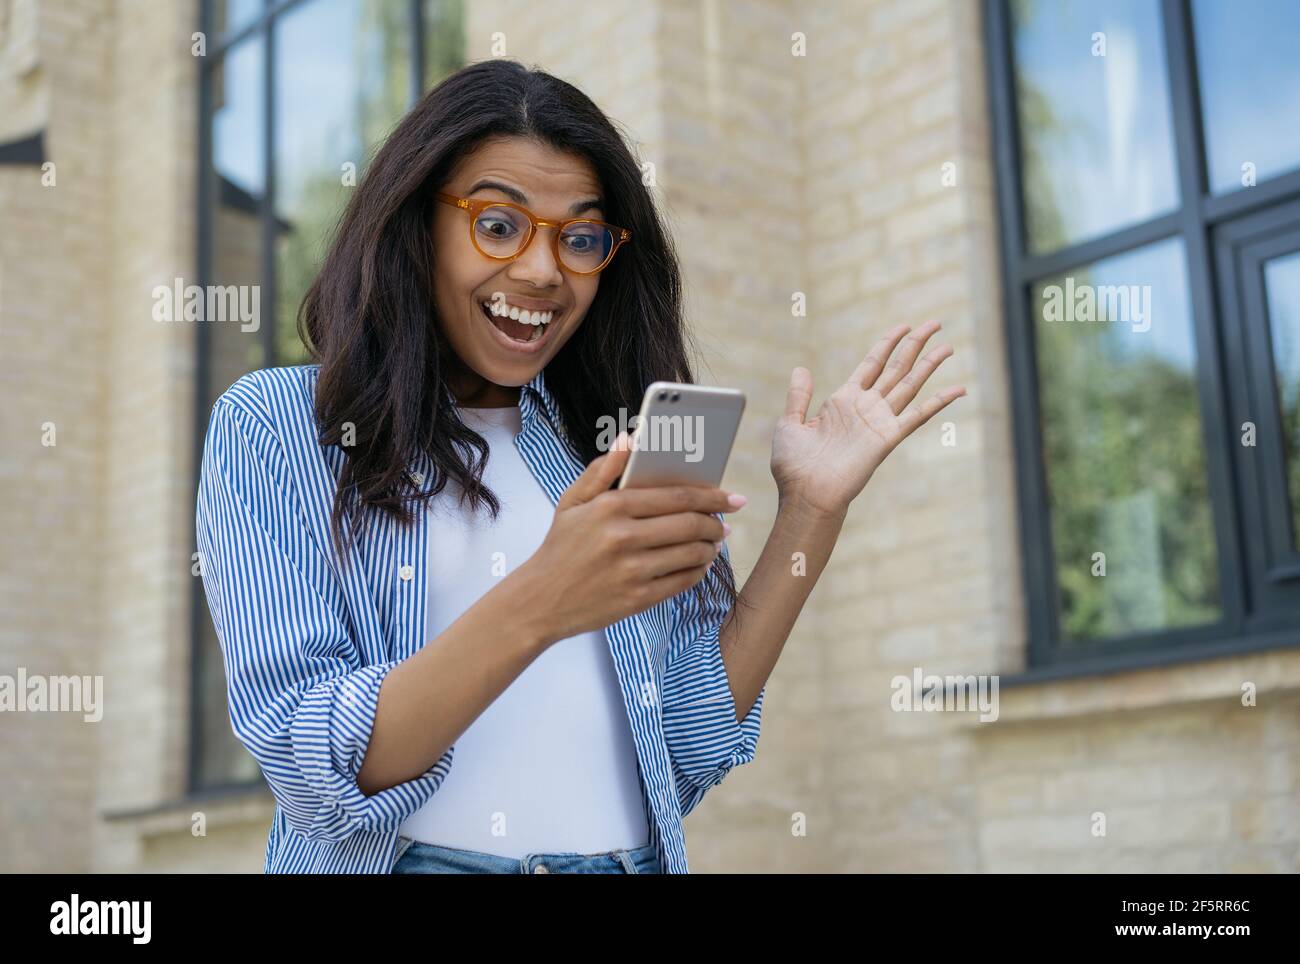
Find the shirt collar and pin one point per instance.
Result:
(534, 397)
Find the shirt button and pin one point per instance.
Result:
(407, 573)
(541, 869)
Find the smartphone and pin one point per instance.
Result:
(683, 435)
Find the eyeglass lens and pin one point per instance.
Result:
(500, 232)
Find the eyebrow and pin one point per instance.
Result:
(519, 197)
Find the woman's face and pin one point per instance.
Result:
(552, 185)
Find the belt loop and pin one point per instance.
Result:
(629, 866)
(403, 845)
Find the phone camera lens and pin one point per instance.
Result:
(675, 396)
(662, 396)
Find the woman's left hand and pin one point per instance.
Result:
(824, 462)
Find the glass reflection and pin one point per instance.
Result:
(342, 82)
(1132, 531)
(1248, 61)
(232, 16)
(1282, 286)
(1092, 101)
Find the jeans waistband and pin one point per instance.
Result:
(438, 858)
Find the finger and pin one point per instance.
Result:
(902, 363)
(901, 395)
(665, 587)
(869, 369)
(669, 559)
(598, 476)
(799, 394)
(913, 418)
(674, 529)
(667, 499)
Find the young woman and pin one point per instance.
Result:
(450, 645)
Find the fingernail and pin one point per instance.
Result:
(717, 546)
(726, 529)
(736, 500)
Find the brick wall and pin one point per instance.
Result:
(925, 572)
(54, 337)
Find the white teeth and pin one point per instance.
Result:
(537, 333)
(522, 315)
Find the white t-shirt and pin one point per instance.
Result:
(549, 766)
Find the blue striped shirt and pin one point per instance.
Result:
(307, 644)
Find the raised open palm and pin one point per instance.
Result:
(826, 461)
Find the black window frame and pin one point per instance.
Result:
(263, 26)
(1224, 373)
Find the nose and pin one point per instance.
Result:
(537, 264)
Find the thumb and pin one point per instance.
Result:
(599, 475)
(799, 395)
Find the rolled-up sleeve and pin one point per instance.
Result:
(705, 740)
(300, 699)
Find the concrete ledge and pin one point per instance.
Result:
(1029, 697)
(223, 809)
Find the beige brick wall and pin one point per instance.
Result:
(779, 174)
(148, 511)
(96, 578)
(54, 337)
(925, 572)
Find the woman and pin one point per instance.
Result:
(450, 662)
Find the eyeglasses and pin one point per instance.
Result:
(502, 231)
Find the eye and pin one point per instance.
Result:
(498, 224)
(495, 227)
(582, 240)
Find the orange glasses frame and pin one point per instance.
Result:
(475, 207)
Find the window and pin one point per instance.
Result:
(1149, 199)
(294, 97)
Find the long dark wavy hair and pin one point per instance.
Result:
(371, 321)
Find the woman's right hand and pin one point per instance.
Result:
(612, 553)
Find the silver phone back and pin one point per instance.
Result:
(683, 442)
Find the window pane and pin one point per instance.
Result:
(1125, 463)
(234, 345)
(232, 16)
(342, 82)
(237, 120)
(1248, 60)
(444, 39)
(1092, 101)
(1282, 286)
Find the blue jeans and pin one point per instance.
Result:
(417, 857)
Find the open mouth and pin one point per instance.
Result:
(528, 328)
